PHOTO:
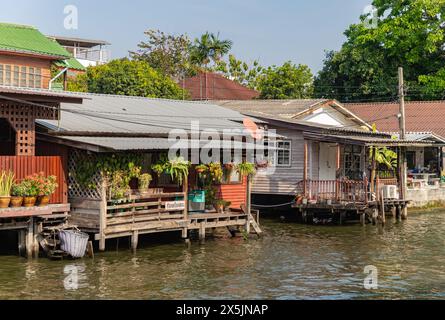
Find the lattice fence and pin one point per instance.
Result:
(76, 190)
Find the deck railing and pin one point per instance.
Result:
(335, 190)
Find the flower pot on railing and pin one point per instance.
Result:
(29, 201)
(4, 202)
(16, 201)
(43, 200)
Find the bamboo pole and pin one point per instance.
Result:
(103, 215)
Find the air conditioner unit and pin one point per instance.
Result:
(390, 192)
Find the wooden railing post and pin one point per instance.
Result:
(103, 214)
(305, 177)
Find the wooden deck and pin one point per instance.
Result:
(23, 212)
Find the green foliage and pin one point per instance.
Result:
(209, 48)
(383, 155)
(169, 54)
(131, 78)
(240, 71)
(6, 183)
(177, 169)
(18, 190)
(144, 181)
(78, 83)
(288, 81)
(409, 34)
(246, 169)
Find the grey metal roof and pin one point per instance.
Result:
(139, 144)
(282, 108)
(100, 114)
(421, 136)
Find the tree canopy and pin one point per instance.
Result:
(127, 77)
(288, 81)
(410, 34)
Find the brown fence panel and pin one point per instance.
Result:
(23, 166)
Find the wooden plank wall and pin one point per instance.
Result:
(24, 166)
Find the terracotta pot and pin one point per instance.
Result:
(218, 208)
(200, 170)
(29, 201)
(43, 201)
(4, 202)
(16, 201)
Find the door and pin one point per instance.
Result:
(327, 161)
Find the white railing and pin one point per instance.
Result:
(96, 55)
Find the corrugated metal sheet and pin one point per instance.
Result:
(132, 143)
(282, 108)
(121, 114)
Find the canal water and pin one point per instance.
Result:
(290, 261)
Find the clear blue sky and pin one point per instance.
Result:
(272, 31)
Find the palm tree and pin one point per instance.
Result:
(209, 48)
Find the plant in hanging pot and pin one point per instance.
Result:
(6, 183)
(200, 169)
(144, 182)
(216, 172)
(246, 169)
(48, 188)
(17, 194)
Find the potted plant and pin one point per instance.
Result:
(17, 193)
(144, 182)
(200, 169)
(246, 169)
(177, 168)
(219, 205)
(6, 182)
(48, 188)
(31, 190)
(216, 172)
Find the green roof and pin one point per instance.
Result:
(26, 39)
(71, 63)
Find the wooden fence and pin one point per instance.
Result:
(23, 166)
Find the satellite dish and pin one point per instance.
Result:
(253, 129)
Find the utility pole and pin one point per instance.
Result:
(402, 135)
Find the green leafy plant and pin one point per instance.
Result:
(119, 185)
(202, 168)
(216, 172)
(32, 185)
(49, 186)
(246, 169)
(144, 181)
(18, 190)
(6, 183)
(177, 169)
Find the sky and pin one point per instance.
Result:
(272, 31)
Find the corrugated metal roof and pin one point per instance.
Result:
(102, 114)
(282, 108)
(41, 92)
(139, 144)
(421, 116)
(27, 39)
(71, 63)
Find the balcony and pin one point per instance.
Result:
(90, 57)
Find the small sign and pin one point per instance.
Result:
(175, 205)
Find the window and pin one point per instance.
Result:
(7, 75)
(31, 78)
(23, 77)
(15, 81)
(38, 78)
(231, 176)
(411, 160)
(352, 162)
(1, 74)
(280, 155)
(283, 153)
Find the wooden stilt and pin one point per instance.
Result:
(202, 232)
(30, 238)
(404, 212)
(134, 240)
(36, 247)
(90, 249)
(103, 216)
(398, 213)
(363, 218)
(375, 215)
(383, 218)
(22, 241)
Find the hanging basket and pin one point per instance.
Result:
(73, 242)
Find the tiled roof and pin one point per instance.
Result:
(26, 39)
(212, 86)
(421, 116)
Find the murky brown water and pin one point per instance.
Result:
(290, 261)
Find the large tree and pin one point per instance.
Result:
(128, 77)
(410, 34)
(167, 53)
(288, 81)
(240, 71)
